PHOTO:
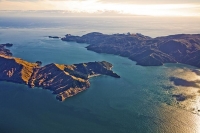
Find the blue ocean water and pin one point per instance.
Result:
(138, 102)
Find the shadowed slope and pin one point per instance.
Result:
(146, 51)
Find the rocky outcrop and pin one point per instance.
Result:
(146, 51)
(39, 63)
(63, 80)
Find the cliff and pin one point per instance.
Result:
(63, 80)
(146, 51)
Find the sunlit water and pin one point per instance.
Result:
(140, 101)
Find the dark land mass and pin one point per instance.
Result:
(146, 51)
(180, 97)
(63, 80)
(55, 37)
(182, 82)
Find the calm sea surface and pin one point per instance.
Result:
(139, 102)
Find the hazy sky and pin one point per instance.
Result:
(133, 7)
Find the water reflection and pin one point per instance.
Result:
(187, 90)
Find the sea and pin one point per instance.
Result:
(141, 101)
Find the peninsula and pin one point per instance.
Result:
(63, 80)
(146, 51)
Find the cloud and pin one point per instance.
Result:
(131, 7)
(56, 13)
(25, 5)
(150, 1)
(24, 0)
(125, 1)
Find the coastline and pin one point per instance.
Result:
(63, 80)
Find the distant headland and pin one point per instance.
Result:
(146, 51)
(63, 80)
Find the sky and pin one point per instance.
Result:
(120, 7)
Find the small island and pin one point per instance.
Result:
(4, 51)
(63, 80)
(146, 51)
(54, 37)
